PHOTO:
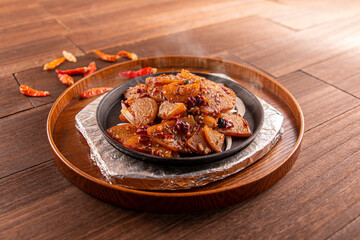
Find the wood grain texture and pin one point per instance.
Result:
(319, 101)
(191, 15)
(342, 71)
(24, 141)
(34, 53)
(30, 32)
(15, 13)
(11, 100)
(279, 56)
(29, 206)
(305, 14)
(202, 41)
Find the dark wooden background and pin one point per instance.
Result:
(311, 47)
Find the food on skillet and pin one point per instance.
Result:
(179, 114)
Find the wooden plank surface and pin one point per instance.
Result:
(11, 100)
(311, 47)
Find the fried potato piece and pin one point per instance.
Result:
(180, 93)
(167, 110)
(136, 92)
(149, 147)
(188, 76)
(214, 138)
(189, 119)
(164, 134)
(122, 133)
(241, 126)
(198, 142)
(207, 120)
(144, 111)
(161, 80)
(155, 86)
(218, 101)
(155, 92)
(229, 92)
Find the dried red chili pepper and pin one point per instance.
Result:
(130, 55)
(53, 64)
(26, 90)
(74, 71)
(91, 69)
(94, 92)
(139, 73)
(107, 57)
(66, 79)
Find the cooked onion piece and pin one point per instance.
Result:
(228, 142)
(240, 107)
(128, 116)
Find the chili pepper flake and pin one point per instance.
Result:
(139, 73)
(66, 79)
(75, 71)
(90, 69)
(130, 55)
(26, 90)
(224, 123)
(107, 57)
(53, 64)
(69, 56)
(94, 92)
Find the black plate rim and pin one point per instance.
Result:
(181, 161)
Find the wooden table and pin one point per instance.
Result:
(311, 47)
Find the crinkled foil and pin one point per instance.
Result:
(126, 171)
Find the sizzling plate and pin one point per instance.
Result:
(108, 111)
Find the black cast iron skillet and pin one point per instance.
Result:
(108, 111)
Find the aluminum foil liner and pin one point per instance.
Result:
(126, 171)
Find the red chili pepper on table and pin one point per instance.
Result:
(132, 56)
(53, 64)
(139, 73)
(107, 57)
(26, 90)
(75, 71)
(66, 79)
(91, 69)
(94, 92)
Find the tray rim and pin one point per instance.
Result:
(72, 91)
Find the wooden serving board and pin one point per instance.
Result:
(71, 152)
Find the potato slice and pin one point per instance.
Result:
(150, 147)
(122, 133)
(228, 91)
(214, 138)
(155, 92)
(241, 126)
(144, 111)
(198, 143)
(161, 80)
(180, 93)
(218, 101)
(210, 121)
(167, 110)
(136, 92)
(189, 119)
(186, 75)
(164, 134)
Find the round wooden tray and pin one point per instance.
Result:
(71, 152)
